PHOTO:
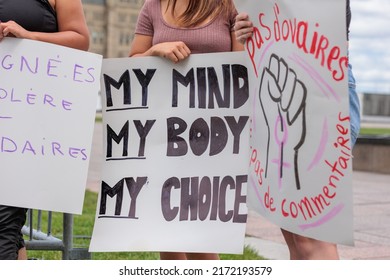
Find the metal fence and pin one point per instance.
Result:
(38, 239)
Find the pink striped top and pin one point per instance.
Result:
(214, 36)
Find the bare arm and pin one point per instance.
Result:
(72, 28)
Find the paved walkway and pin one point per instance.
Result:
(371, 215)
(371, 194)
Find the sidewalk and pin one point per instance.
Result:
(371, 223)
(371, 215)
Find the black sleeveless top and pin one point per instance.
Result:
(32, 15)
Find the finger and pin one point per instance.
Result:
(178, 54)
(242, 39)
(172, 57)
(240, 25)
(184, 50)
(187, 49)
(5, 32)
(246, 32)
(242, 16)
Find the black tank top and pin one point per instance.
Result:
(32, 15)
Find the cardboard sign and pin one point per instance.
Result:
(48, 99)
(176, 140)
(301, 158)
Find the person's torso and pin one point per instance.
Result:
(32, 15)
(214, 36)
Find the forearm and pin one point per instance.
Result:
(148, 52)
(69, 39)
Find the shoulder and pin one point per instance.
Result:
(151, 4)
(148, 17)
(231, 13)
(151, 7)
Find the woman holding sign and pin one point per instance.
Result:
(301, 247)
(174, 29)
(59, 22)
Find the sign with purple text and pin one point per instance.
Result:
(176, 145)
(48, 96)
(300, 163)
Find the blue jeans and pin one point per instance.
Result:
(354, 106)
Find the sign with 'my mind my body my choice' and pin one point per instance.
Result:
(48, 99)
(176, 144)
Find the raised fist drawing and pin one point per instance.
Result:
(283, 101)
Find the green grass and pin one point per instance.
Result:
(98, 118)
(374, 131)
(82, 231)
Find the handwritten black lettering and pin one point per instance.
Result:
(204, 198)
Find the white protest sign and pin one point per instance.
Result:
(176, 145)
(48, 97)
(301, 160)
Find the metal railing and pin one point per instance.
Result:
(45, 241)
